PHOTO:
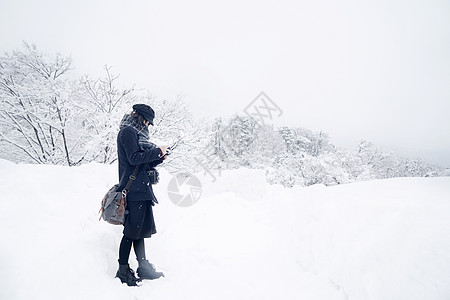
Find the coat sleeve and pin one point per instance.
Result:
(155, 163)
(136, 156)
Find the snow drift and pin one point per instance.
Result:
(244, 239)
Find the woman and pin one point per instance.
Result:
(134, 148)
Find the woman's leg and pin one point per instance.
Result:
(124, 250)
(139, 249)
(145, 270)
(125, 273)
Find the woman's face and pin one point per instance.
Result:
(147, 123)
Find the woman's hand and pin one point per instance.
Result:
(164, 150)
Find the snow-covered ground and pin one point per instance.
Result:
(244, 239)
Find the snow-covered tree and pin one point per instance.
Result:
(174, 124)
(301, 140)
(36, 107)
(268, 144)
(232, 140)
(304, 169)
(104, 105)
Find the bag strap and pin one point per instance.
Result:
(131, 179)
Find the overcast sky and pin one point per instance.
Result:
(374, 70)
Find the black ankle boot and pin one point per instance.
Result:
(126, 274)
(147, 271)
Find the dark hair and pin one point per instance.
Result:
(137, 119)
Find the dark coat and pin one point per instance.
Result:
(129, 155)
(139, 221)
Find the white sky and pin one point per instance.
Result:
(374, 70)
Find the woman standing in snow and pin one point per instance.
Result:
(134, 148)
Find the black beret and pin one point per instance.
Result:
(145, 111)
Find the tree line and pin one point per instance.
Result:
(47, 117)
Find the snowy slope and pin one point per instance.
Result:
(244, 239)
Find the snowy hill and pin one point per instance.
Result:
(244, 239)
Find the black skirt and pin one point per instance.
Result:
(139, 222)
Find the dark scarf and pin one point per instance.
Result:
(142, 130)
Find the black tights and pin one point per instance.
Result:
(125, 249)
